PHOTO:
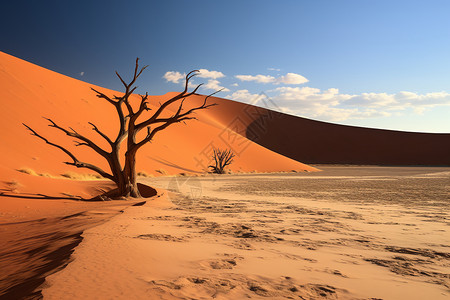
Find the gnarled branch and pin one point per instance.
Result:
(142, 107)
(222, 158)
(95, 128)
(181, 96)
(129, 89)
(176, 118)
(103, 96)
(76, 135)
(76, 162)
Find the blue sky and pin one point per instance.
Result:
(382, 64)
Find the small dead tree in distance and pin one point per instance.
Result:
(222, 158)
(130, 125)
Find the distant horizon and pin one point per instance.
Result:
(380, 65)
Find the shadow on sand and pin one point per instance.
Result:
(145, 191)
(32, 250)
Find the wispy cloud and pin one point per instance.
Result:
(400, 100)
(210, 74)
(213, 84)
(256, 78)
(292, 78)
(172, 76)
(289, 78)
(274, 69)
(243, 96)
(176, 77)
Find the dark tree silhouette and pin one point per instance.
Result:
(222, 158)
(130, 125)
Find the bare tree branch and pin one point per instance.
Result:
(121, 79)
(129, 89)
(77, 143)
(142, 107)
(122, 119)
(75, 162)
(103, 96)
(180, 96)
(176, 118)
(76, 135)
(203, 106)
(222, 158)
(95, 128)
(178, 114)
(128, 105)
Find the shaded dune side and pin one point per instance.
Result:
(313, 141)
(340, 144)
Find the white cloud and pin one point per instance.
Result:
(213, 84)
(324, 105)
(331, 105)
(210, 74)
(372, 100)
(400, 100)
(81, 73)
(172, 76)
(244, 96)
(419, 110)
(334, 106)
(177, 77)
(310, 96)
(289, 78)
(429, 99)
(327, 105)
(292, 78)
(274, 69)
(257, 78)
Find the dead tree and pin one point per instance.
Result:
(222, 158)
(131, 121)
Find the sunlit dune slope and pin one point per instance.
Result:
(29, 92)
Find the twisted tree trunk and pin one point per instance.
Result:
(129, 187)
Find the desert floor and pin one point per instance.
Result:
(344, 233)
(38, 236)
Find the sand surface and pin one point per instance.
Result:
(38, 236)
(344, 233)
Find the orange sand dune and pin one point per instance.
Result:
(30, 92)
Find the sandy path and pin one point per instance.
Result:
(345, 233)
